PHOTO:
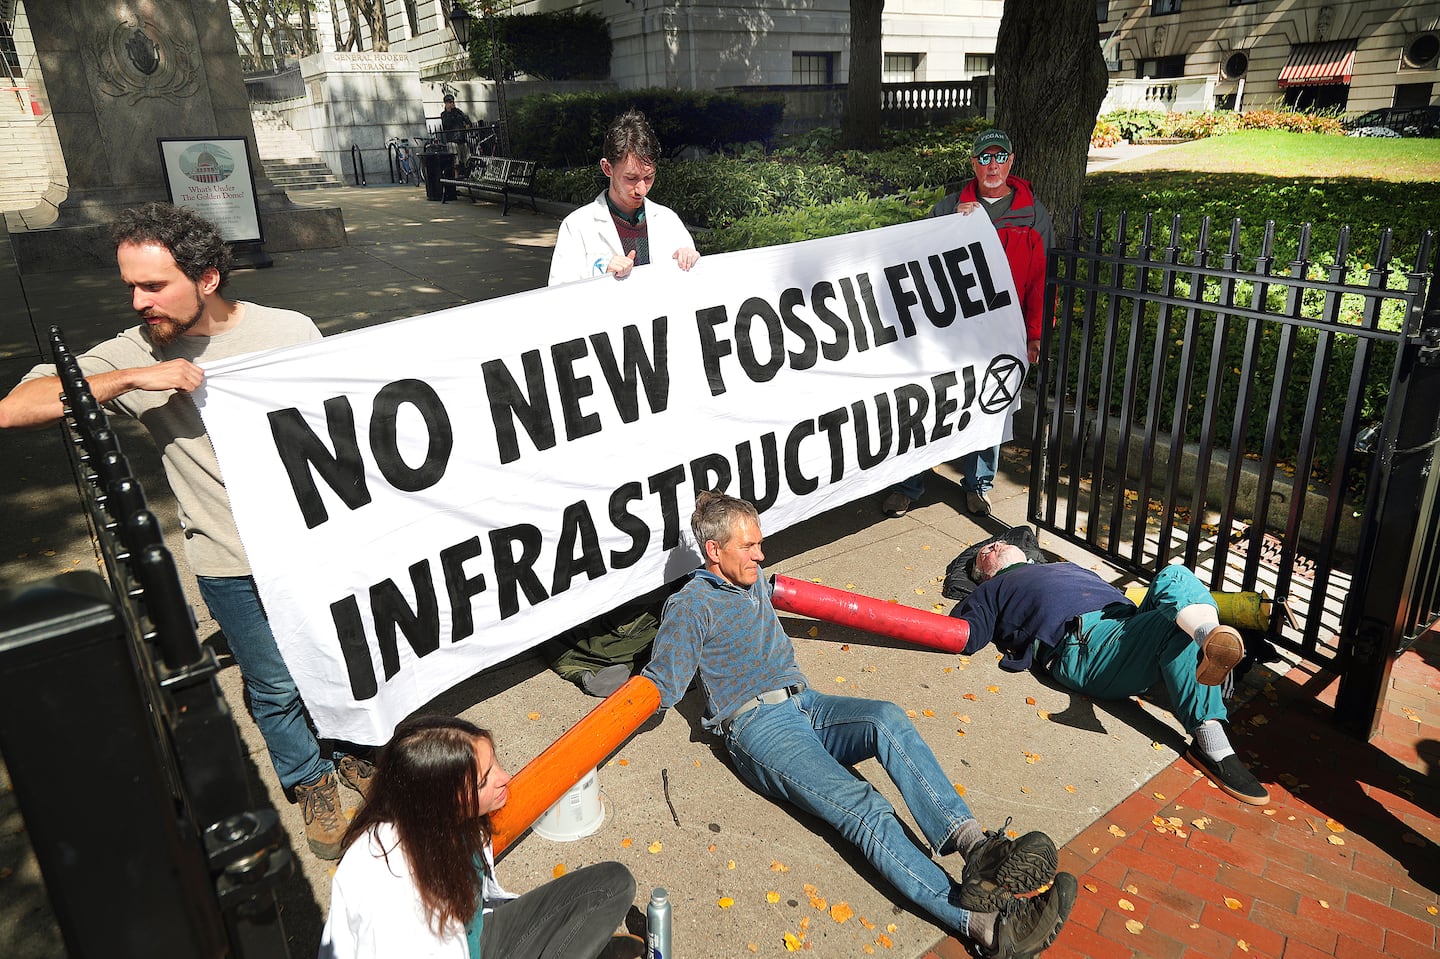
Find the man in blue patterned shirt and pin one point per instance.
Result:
(792, 743)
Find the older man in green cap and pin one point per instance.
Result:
(1026, 233)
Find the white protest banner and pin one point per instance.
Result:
(424, 499)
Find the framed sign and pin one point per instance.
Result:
(214, 178)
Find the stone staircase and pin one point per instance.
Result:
(288, 158)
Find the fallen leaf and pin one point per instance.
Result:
(911, 713)
(752, 947)
(1430, 909)
(725, 902)
(1156, 746)
(1029, 700)
(804, 925)
(1042, 714)
(884, 940)
(792, 944)
(1117, 832)
(919, 592)
(1232, 903)
(772, 896)
(993, 689)
(1335, 840)
(1268, 812)
(1025, 790)
(710, 848)
(813, 632)
(965, 718)
(1069, 789)
(730, 864)
(841, 912)
(655, 846)
(1133, 889)
(622, 762)
(1326, 905)
(558, 871)
(927, 712)
(778, 866)
(1126, 904)
(1244, 946)
(839, 679)
(949, 669)
(959, 732)
(1134, 926)
(626, 843)
(890, 928)
(845, 648)
(869, 949)
(959, 788)
(1334, 826)
(532, 716)
(866, 923)
(970, 696)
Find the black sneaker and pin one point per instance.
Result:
(1230, 775)
(999, 868)
(1026, 927)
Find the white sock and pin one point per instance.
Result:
(980, 927)
(1196, 620)
(1211, 740)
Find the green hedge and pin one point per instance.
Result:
(567, 129)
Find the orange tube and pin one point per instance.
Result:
(551, 774)
(918, 626)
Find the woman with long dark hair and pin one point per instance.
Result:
(417, 877)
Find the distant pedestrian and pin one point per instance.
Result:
(1026, 233)
(622, 228)
(455, 129)
(176, 264)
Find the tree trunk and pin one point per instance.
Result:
(1050, 80)
(861, 128)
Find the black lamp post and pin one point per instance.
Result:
(460, 23)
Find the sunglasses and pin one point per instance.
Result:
(985, 159)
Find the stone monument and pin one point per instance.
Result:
(119, 76)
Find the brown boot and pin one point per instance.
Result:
(356, 773)
(324, 820)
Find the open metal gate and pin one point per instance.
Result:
(1269, 423)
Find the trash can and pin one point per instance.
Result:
(439, 164)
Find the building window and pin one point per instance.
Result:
(1240, 3)
(7, 50)
(1102, 10)
(1159, 8)
(1413, 94)
(412, 17)
(812, 68)
(901, 68)
(979, 64)
(1160, 68)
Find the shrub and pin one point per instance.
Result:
(810, 222)
(1136, 124)
(1296, 121)
(566, 129)
(1106, 133)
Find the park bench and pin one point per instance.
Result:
(498, 175)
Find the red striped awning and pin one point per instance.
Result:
(1319, 64)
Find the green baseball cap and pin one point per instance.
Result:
(991, 138)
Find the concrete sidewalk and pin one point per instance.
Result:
(1015, 746)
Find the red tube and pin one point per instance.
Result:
(551, 774)
(918, 626)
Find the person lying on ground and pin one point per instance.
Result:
(791, 743)
(1067, 621)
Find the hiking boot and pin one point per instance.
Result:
(1025, 927)
(896, 505)
(977, 502)
(999, 869)
(357, 773)
(1230, 775)
(324, 822)
(1222, 649)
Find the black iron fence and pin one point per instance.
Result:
(123, 753)
(1269, 422)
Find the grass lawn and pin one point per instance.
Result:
(1277, 153)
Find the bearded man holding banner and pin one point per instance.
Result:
(176, 264)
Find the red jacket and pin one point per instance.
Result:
(1025, 232)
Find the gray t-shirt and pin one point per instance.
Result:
(211, 541)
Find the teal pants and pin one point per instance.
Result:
(1121, 651)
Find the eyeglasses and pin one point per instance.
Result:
(986, 158)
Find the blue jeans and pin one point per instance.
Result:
(978, 467)
(801, 750)
(274, 700)
(1122, 652)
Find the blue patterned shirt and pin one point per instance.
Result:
(731, 635)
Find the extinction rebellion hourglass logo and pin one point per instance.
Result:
(207, 163)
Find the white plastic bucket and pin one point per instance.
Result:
(576, 814)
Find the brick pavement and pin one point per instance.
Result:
(1343, 863)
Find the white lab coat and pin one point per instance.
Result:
(588, 239)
